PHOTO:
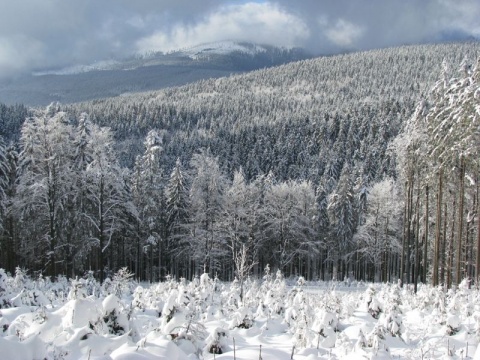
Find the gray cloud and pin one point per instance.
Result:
(55, 33)
(383, 23)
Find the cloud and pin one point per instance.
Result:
(259, 22)
(15, 57)
(366, 24)
(55, 33)
(344, 33)
(464, 16)
(37, 35)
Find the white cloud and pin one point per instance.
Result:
(344, 33)
(259, 22)
(36, 34)
(18, 52)
(463, 15)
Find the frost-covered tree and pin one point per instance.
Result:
(149, 199)
(206, 207)
(237, 217)
(287, 217)
(438, 148)
(110, 209)
(454, 143)
(377, 239)
(341, 214)
(10, 224)
(45, 184)
(177, 206)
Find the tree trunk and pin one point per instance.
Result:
(477, 264)
(417, 250)
(101, 230)
(404, 238)
(425, 243)
(385, 253)
(409, 224)
(443, 245)
(438, 229)
(458, 277)
(451, 247)
(52, 232)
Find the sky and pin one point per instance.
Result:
(51, 34)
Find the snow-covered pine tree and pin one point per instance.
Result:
(341, 213)
(148, 194)
(177, 203)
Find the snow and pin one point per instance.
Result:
(221, 48)
(194, 52)
(79, 69)
(275, 319)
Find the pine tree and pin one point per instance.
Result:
(177, 203)
(341, 214)
(10, 221)
(149, 200)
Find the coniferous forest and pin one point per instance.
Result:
(362, 166)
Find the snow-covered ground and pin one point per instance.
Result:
(121, 319)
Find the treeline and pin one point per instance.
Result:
(69, 207)
(11, 121)
(438, 154)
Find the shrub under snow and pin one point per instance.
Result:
(189, 320)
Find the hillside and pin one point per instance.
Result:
(142, 73)
(295, 120)
(299, 167)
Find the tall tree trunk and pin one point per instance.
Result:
(409, 225)
(385, 254)
(10, 250)
(477, 263)
(404, 238)
(53, 243)
(417, 249)
(467, 270)
(101, 230)
(425, 242)
(438, 229)
(458, 277)
(451, 247)
(443, 245)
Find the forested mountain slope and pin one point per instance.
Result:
(295, 120)
(299, 167)
(143, 73)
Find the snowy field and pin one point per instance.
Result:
(206, 319)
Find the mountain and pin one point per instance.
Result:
(328, 164)
(297, 120)
(152, 71)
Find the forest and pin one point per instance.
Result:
(362, 166)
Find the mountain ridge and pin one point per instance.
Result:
(147, 72)
(268, 108)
